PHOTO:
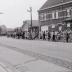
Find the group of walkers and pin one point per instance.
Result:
(23, 35)
(45, 35)
(55, 36)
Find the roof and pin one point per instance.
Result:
(34, 22)
(50, 3)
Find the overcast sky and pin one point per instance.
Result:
(15, 11)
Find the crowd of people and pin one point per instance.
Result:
(56, 36)
(23, 35)
(44, 35)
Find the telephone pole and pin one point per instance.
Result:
(0, 27)
(30, 11)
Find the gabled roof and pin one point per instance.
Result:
(50, 3)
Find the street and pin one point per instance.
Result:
(35, 56)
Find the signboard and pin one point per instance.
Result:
(44, 28)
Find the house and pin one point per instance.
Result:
(53, 14)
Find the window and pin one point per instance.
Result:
(68, 12)
(53, 15)
(62, 13)
(56, 15)
(42, 16)
(49, 16)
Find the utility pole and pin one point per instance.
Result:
(30, 11)
(0, 27)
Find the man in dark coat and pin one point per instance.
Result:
(67, 37)
(53, 38)
(44, 35)
(49, 35)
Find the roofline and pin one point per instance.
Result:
(55, 5)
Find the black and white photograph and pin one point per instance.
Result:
(35, 35)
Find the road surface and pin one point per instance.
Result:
(15, 61)
(43, 51)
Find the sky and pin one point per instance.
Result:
(15, 11)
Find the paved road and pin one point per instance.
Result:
(59, 53)
(15, 61)
(9, 59)
(53, 49)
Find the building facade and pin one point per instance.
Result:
(53, 14)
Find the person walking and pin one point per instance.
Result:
(53, 38)
(49, 35)
(67, 37)
(23, 35)
(44, 35)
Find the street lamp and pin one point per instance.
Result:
(30, 11)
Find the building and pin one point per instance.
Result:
(26, 27)
(54, 13)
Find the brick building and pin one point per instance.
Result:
(55, 15)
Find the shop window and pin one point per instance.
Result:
(56, 15)
(70, 12)
(53, 15)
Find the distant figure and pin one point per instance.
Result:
(23, 35)
(67, 37)
(49, 35)
(53, 37)
(44, 35)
